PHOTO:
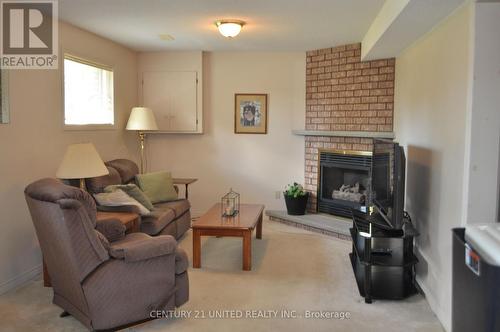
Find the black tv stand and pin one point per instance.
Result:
(382, 260)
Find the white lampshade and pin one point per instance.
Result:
(81, 161)
(141, 118)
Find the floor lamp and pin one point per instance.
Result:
(141, 120)
(81, 161)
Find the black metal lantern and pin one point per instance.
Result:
(230, 204)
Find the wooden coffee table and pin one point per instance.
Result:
(241, 225)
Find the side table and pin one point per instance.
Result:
(185, 181)
(131, 220)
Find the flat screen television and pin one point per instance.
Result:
(388, 181)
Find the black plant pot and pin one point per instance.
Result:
(296, 206)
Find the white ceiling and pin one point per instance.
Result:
(413, 19)
(272, 25)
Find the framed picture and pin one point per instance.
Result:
(250, 113)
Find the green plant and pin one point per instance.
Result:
(294, 190)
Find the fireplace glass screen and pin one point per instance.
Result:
(344, 182)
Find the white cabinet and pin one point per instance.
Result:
(173, 97)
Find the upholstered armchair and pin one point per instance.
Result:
(99, 275)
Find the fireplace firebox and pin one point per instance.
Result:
(343, 181)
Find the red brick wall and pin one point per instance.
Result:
(344, 94)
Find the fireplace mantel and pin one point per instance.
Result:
(362, 134)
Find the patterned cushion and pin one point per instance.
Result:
(119, 198)
(179, 206)
(133, 191)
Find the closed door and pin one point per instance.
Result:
(172, 97)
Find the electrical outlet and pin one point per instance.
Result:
(277, 194)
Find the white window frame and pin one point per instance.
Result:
(96, 64)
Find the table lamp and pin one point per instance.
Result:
(142, 119)
(81, 161)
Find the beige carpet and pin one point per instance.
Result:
(293, 270)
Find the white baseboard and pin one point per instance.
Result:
(433, 303)
(20, 280)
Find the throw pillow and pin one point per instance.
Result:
(158, 186)
(133, 191)
(119, 198)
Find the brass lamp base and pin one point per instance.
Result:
(142, 139)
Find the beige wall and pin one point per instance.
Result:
(255, 165)
(484, 123)
(33, 144)
(432, 99)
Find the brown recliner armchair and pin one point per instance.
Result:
(101, 276)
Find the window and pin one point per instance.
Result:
(88, 93)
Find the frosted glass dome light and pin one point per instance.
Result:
(229, 28)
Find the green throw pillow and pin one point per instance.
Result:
(133, 191)
(158, 186)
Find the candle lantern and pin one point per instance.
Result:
(230, 204)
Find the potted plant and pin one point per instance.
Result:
(296, 199)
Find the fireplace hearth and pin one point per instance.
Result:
(343, 181)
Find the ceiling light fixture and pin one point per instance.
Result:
(229, 28)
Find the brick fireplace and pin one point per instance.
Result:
(344, 180)
(348, 103)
